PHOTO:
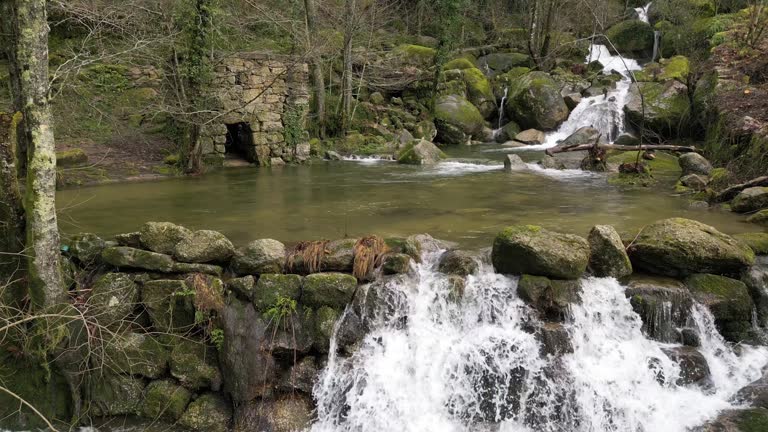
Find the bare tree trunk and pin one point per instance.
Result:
(318, 81)
(346, 92)
(46, 286)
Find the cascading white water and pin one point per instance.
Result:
(476, 366)
(501, 106)
(642, 12)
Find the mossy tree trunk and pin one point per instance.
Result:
(29, 21)
(346, 89)
(7, 38)
(318, 81)
(11, 214)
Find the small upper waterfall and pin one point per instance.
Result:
(434, 364)
(642, 12)
(501, 106)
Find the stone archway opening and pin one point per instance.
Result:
(239, 143)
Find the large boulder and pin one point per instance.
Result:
(271, 288)
(420, 152)
(162, 237)
(499, 63)
(756, 280)
(457, 119)
(666, 104)
(608, 258)
(209, 413)
(528, 249)
(531, 137)
(551, 298)
(479, 92)
(664, 305)
(204, 246)
(694, 163)
(165, 400)
(583, 135)
(680, 247)
(632, 37)
(728, 300)
(334, 290)
(760, 218)
(457, 262)
(127, 257)
(259, 256)
(694, 369)
(513, 162)
(750, 199)
(757, 241)
(534, 101)
(113, 298)
(340, 256)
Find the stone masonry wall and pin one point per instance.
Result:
(270, 94)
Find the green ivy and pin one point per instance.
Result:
(293, 125)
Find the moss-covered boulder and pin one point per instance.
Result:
(760, 218)
(479, 91)
(194, 365)
(113, 298)
(87, 248)
(608, 258)
(666, 106)
(114, 395)
(728, 300)
(529, 249)
(324, 320)
(664, 305)
(757, 241)
(127, 257)
(499, 63)
(162, 237)
(420, 152)
(507, 132)
(170, 304)
(680, 247)
(334, 290)
(738, 420)
(340, 256)
(136, 354)
(457, 119)
(259, 256)
(632, 38)
(243, 287)
(694, 369)
(204, 246)
(415, 55)
(272, 287)
(457, 262)
(551, 298)
(534, 101)
(396, 263)
(750, 199)
(165, 400)
(460, 63)
(208, 413)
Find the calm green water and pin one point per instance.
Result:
(463, 202)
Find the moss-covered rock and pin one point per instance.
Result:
(457, 119)
(208, 413)
(459, 63)
(113, 298)
(750, 199)
(259, 256)
(114, 395)
(608, 258)
(500, 63)
(664, 166)
(194, 365)
(534, 101)
(334, 290)
(396, 263)
(244, 287)
(694, 163)
(760, 218)
(457, 262)
(479, 91)
(728, 300)
(528, 249)
(165, 400)
(170, 304)
(162, 237)
(204, 246)
(739, 420)
(126, 257)
(87, 248)
(287, 413)
(136, 354)
(420, 152)
(340, 256)
(666, 106)
(632, 37)
(71, 158)
(272, 287)
(680, 247)
(664, 305)
(324, 321)
(551, 298)
(757, 241)
(415, 55)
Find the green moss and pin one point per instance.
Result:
(477, 84)
(328, 289)
(416, 54)
(760, 218)
(165, 400)
(716, 285)
(459, 63)
(677, 67)
(753, 420)
(757, 241)
(271, 287)
(71, 157)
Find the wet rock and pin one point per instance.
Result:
(664, 305)
(513, 162)
(507, 132)
(572, 100)
(113, 298)
(162, 237)
(531, 137)
(324, 322)
(382, 301)
(457, 120)
(756, 280)
(551, 298)
(396, 263)
(126, 257)
(691, 337)
(665, 105)
(272, 287)
(301, 376)
(535, 102)
(554, 339)
(165, 400)
(549, 162)
(340, 256)
(170, 304)
(352, 331)
(528, 249)
(208, 413)
(627, 139)
(456, 287)
(332, 155)
(760, 218)
(456, 262)
(728, 300)
(694, 163)
(738, 420)
(194, 365)
(501, 63)
(420, 152)
(243, 287)
(694, 369)
(204, 246)
(419, 244)
(136, 354)
(608, 258)
(132, 239)
(248, 368)
(287, 414)
(113, 395)
(583, 135)
(680, 247)
(758, 242)
(87, 248)
(755, 394)
(259, 256)
(328, 289)
(694, 181)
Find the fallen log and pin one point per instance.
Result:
(585, 147)
(730, 193)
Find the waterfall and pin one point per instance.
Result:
(501, 106)
(443, 365)
(642, 12)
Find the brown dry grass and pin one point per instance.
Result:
(207, 297)
(307, 256)
(369, 252)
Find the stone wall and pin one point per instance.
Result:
(261, 96)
